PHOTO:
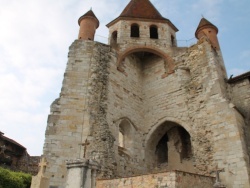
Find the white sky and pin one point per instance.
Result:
(35, 36)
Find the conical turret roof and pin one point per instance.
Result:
(90, 13)
(141, 9)
(204, 23)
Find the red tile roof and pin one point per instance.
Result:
(204, 23)
(90, 13)
(142, 9)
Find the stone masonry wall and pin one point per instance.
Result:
(189, 180)
(69, 122)
(240, 97)
(217, 126)
(195, 98)
(101, 139)
(175, 179)
(29, 164)
(65, 123)
(123, 28)
(96, 97)
(125, 102)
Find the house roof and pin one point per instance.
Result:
(239, 77)
(90, 13)
(12, 141)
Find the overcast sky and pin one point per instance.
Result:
(35, 36)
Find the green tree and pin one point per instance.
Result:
(10, 179)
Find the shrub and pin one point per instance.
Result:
(10, 179)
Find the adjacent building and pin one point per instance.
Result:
(15, 156)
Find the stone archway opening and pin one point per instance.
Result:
(144, 55)
(169, 148)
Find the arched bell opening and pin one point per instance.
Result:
(169, 148)
(153, 32)
(135, 30)
(113, 39)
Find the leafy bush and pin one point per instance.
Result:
(10, 179)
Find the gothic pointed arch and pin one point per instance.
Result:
(127, 119)
(168, 143)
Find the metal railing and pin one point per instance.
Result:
(186, 43)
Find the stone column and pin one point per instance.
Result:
(81, 173)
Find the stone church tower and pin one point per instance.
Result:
(142, 105)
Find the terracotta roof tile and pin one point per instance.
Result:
(141, 9)
(203, 24)
(90, 13)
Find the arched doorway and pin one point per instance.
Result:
(169, 148)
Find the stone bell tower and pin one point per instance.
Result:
(140, 27)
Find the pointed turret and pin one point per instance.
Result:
(207, 29)
(88, 24)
